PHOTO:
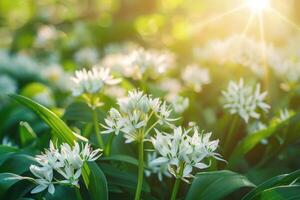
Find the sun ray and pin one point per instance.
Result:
(249, 22)
(263, 51)
(216, 18)
(285, 19)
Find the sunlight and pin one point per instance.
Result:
(258, 5)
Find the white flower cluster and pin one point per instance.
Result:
(178, 149)
(134, 115)
(139, 61)
(245, 100)
(180, 103)
(19, 66)
(46, 35)
(195, 77)
(92, 81)
(159, 169)
(66, 161)
(87, 56)
(232, 50)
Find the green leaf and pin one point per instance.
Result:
(216, 185)
(17, 163)
(6, 181)
(6, 152)
(248, 143)
(79, 111)
(27, 135)
(122, 158)
(122, 179)
(63, 132)
(280, 180)
(95, 181)
(290, 192)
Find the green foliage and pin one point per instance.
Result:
(216, 185)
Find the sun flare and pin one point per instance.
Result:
(258, 5)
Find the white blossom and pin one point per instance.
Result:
(159, 169)
(245, 100)
(180, 149)
(65, 160)
(92, 81)
(138, 62)
(180, 104)
(134, 114)
(44, 181)
(87, 56)
(195, 77)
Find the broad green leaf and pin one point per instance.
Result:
(79, 111)
(280, 180)
(216, 185)
(17, 163)
(95, 181)
(289, 192)
(248, 143)
(63, 132)
(6, 152)
(122, 179)
(122, 158)
(27, 135)
(6, 181)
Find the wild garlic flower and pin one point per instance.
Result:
(138, 62)
(134, 114)
(66, 161)
(87, 56)
(180, 148)
(44, 181)
(92, 81)
(180, 104)
(7, 85)
(160, 169)
(46, 36)
(245, 100)
(195, 77)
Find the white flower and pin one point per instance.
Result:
(134, 115)
(46, 36)
(44, 181)
(70, 174)
(87, 154)
(245, 100)
(159, 169)
(195, 77)
(7, 85)
(92, 81)
(284, 114)
(180, 104)
(179, 149)
(137, 62)
(87, 56)
(66, 160)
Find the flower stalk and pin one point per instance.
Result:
(230, 134)
(97, 131)
(140, 170)
(177, 182)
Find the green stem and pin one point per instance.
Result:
(230, 134)
(108, 144)
(78, 195)
(96, 126)
(151, 127)
(177, 182)
(141, 170)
